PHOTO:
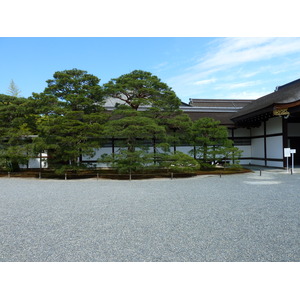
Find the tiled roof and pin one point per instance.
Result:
(285, 94)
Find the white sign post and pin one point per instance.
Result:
(287, 154)
(293, 151)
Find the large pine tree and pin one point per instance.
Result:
(72, 116)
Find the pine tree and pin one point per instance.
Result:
(13, 90)
(208, 137)
(140, 88)
(17, 127)
(72, 117)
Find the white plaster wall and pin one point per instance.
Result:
(274, 147)
(257, 131)
(258, 148)
(274, 125)
(258, 162)
(242, 132)
(294, 129)
(184, 149)
(245, 162)
(98, 153)
(100, 165)
(275, 164)
(34, 163)
(247, 151)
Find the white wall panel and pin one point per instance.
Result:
(274, 125)
(184, 149)
(257, 131)
(275, 164)
(258, 148)
(274, 147)
(245, 162)
(257, 162)
(241, 132)
(98, 153)
(246, 151)
(34, 163)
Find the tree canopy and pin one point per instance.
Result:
(72, 116)
(17, 128)
(140, 88)
(68, 120)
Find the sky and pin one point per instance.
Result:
(195, 67)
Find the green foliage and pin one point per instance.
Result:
(178, 127)
(208, 137)
(140, 88)
(126, 161)
(68, 121)
(132, 128)
(76, 90)
(68, 137)
(17, 128)
(72, 118)
(178, 162)
(233, 154)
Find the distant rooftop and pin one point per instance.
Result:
(219, 109)
(220, 102)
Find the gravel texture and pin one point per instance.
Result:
(245, 217)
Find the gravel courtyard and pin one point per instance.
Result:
(245, 217)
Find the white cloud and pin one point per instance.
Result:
(245, 95)
(231, 86)
(231, 52)
(206, 81)
(161, 66)
(225, 55)
(250, 74)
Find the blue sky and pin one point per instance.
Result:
(195, 67)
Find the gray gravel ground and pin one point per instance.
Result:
(202, 219)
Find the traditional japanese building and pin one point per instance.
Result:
(273, 123)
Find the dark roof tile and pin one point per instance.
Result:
(287, 93)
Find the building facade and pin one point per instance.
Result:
(273, 123)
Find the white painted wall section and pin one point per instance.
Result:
(258, 148)
(274, 147)
(247, 151)
(257, 162)
(275, 164)
(242, 132)
(274, 125)
(257, 130)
